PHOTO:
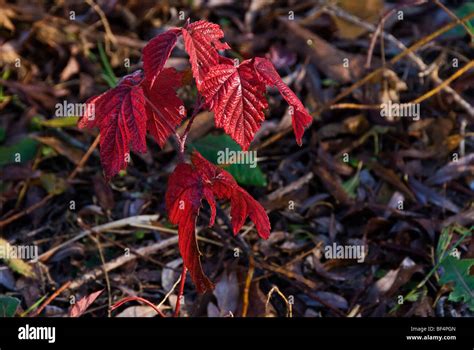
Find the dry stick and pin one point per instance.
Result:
(370, 52)
(181, 291)
(453, 16)
(109, 34)
(381, 24)
(106, 275)
(108, 226)
(84, 158)
(382, 53)
(175, 232)
(272, 139)
(291, 187)
(169, 292)
(289, 274)
(445, 83)
(43, 201)
(312, 295)
(434, 91)
(289, 312)
(50, 299)
(124, 247)
(248, 281)
(353, 106)
(26, 183)
(113, 264)
(405, 52)
(26, 211)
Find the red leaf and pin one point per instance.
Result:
(183, 200)
(156, 52)
(301, 119)
(243, 205)
(221, 183)
(81, 306)
(236, 96)
(187, 186)
(120, 114)
(201, 41)
(168, 111)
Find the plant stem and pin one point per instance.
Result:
(139, 299)
(181, 291)
(197, 108)
(181, 140)
(433, 270)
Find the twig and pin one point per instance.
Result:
(26, 183)
(289, 274)
(108, 226)
(84, 158)
(456, 18)
(170, 292)
(289, 311)
(113, 264)
(108, 32)
(405, 52)
(445, 83)
(291, 187)
(375, 35)
(419, 99)
(354, 106)
(50, 299)
(381, 25)
(26, 211)
(106, 275)
(181, 291)
(134, 251)
(248, 281)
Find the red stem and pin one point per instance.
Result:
(126, 300)
(197, 108)
(181, 140)
(181, 291)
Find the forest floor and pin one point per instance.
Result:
(391, 197)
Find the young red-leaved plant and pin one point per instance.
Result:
(147, 101)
